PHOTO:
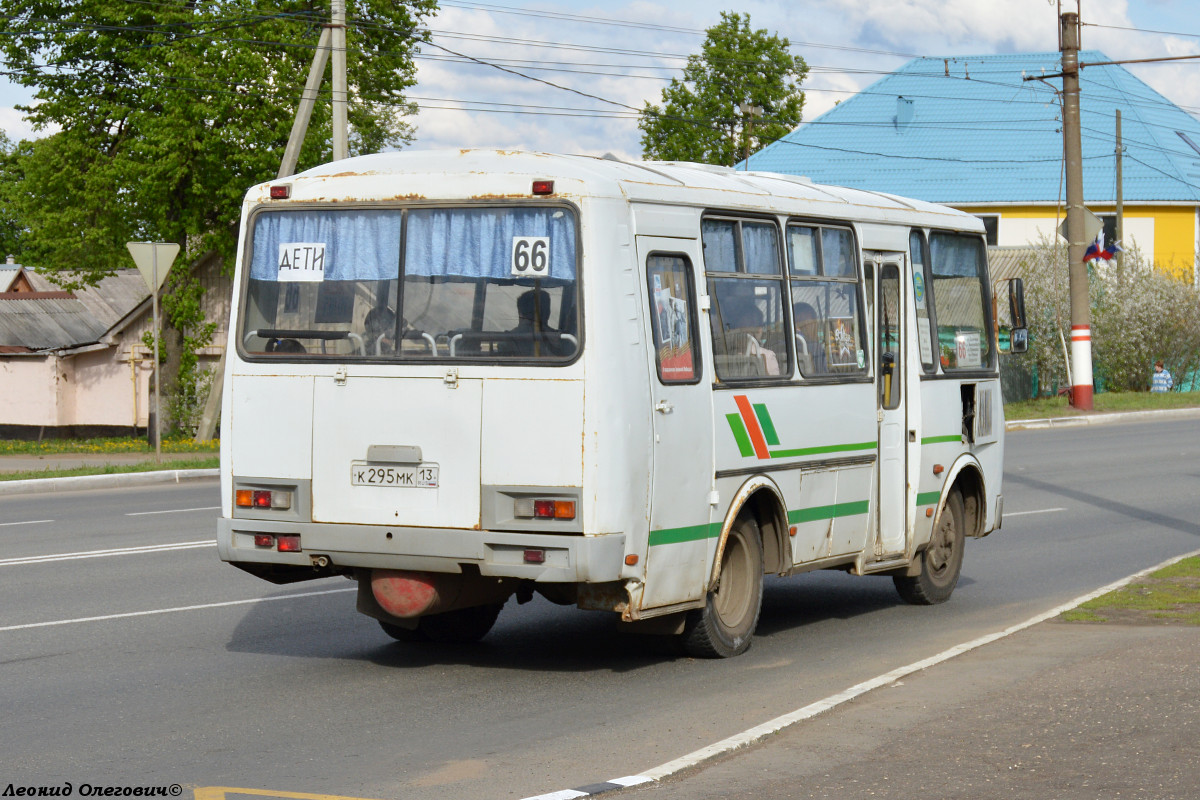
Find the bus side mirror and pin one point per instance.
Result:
(1018, 336)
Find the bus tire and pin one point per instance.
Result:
(403, 634)
(941, 561)
(460, 626)
(724, 626)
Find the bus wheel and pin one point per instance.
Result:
(724, 626)
(461, 626)
(941, 562)
(403, 634)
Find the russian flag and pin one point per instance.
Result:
(1097, 250)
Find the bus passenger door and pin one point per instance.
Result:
(681, 412)
(892, 404)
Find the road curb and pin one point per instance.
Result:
(117, 480)
(1100, 419)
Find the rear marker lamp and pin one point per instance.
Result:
(288, 542)
(264, 540)
(527, 508)
(281, 192)
(262, 498)
(543, 187)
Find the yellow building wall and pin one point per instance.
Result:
(1174, 230)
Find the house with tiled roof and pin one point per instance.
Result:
(971, 132)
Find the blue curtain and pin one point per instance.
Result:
(761, 249)
(477, 243)
(359, 245)
(956, 256)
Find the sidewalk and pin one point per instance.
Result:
(63, 461)
(1059, 711)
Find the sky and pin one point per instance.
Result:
(575, 71)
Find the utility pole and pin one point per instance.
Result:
(1120, 195)
(1081, 318)
(749, 112)
(332, 41)
(340, 90)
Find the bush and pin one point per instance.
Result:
(1139, 314)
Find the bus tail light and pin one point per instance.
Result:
(262, 498)
(264, 540)
(529, 508)
(288, 542)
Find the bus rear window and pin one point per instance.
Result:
(419, 284)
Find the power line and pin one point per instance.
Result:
(1141, 30)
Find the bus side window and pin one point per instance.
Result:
(673, 318)
(745, 283)
(826, 318)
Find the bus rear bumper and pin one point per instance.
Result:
(562, 559)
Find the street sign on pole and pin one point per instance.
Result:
(154, 261)
(1092, 225)
(145, 254)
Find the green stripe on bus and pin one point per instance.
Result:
(928, 498)
(764, 422)
(831, 448)
(829, 512)
(956, 438)
(739, 434)
(691, 533)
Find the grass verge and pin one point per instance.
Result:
(18, 447)
(203, 462)
(1045, 407)
(1169, 596)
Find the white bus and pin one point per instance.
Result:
(633, 387)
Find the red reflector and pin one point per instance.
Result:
(264, 540)
(288, 542)
(543, 509)
(262, 499)
(281, 192)
(543, 187)
(535, 556)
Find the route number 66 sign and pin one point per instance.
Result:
(530, 256)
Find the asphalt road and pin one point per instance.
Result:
(156, 665)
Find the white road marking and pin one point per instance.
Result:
(171, 610)
(767, 728)
(26, 522)
(759, 732)
(121, 551)
(1038, 511)
(171, 511)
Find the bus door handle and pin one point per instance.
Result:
(664, 407)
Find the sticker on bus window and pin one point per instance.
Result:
(301, 261)
(926, 342)
(919, 290)
(967, 349)
(530, 256)
(843, 347)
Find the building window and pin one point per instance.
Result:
(1110, 227)
(991, 228)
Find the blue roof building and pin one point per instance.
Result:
(970, 132)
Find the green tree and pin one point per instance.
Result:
(740, 92)
(165, 112)
(1140, 313)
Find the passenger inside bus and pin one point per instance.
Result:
(745, 328)
(379, 331)
(533, 335)
(810, 354)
